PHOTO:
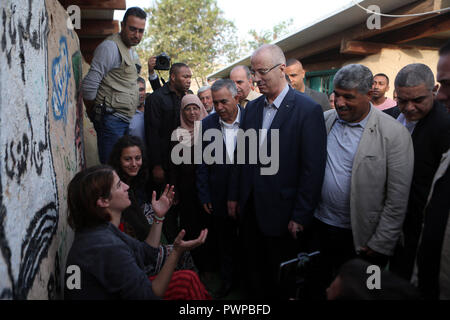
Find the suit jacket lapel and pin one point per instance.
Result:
(365, 146)
(260, 114)
(284, 110)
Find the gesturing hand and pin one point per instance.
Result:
(294, 227)
(164, 203)
(233, 209)
(181, 246)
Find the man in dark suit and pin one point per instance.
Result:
(213, 179)
(276, 205)
(429, 124)
(296, 74)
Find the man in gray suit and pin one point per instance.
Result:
(296, 74)
(367, 177)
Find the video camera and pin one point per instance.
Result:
(295, 273)
(162, 62)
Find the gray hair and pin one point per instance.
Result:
(354, 76)
(203, 89)
(246, 69)
(225, 83)
(413, 75)
(275, 52)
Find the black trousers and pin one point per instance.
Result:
(263, 255)
(336, 247)
(225, 233)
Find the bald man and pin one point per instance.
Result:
(243, 79)
(296, 73)
(276, 207)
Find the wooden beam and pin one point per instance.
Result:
(360, 31)
(96, 5)
(425, 29)
(88, 57)
(90, 44)
(360, 47)
(97, 28)
(365, 48)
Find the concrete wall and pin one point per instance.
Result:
(41, 145)
(390, 61)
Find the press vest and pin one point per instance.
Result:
(119, 88)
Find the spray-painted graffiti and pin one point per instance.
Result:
(27, 32)
(54, 282)
(18, 156)
(60, 81)
(79, 139)
(29, 205)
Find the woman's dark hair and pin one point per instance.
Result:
(114, 160)
(85, 188)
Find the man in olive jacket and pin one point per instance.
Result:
(367, 177)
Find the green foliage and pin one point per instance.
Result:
(193, 32)
(268, 36)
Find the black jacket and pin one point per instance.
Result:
(293, 192)
(431, 138)
(393, 112)
(213, 179)
(162, 116)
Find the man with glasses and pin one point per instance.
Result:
(110, 88)
(275, 209)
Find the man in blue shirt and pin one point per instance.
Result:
(136, 127)
(367, 178)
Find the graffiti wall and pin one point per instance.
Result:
(41, 145)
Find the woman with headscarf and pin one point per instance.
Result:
(182, 174)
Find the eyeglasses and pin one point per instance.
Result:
(263, 72)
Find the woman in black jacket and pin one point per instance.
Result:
(111, 264)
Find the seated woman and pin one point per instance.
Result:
(128, 159)
(112, 264)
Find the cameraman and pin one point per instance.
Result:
(152, 76)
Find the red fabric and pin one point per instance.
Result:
(185, 285)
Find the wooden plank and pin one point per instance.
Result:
(422, 30)
(97, 28)
(366, 48)
(88, 57)
(90, 44)
(360, 31)
(360, 47)
(96, 5)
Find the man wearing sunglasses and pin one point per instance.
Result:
(274, 209)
